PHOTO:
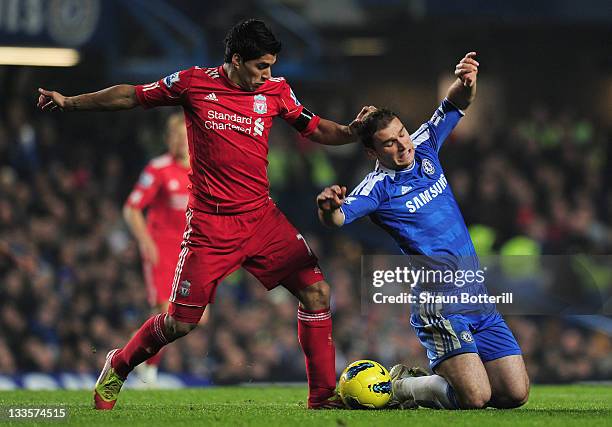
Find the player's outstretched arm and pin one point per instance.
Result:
(463, 91)
(332, 133)
(119, 97)
(329, 202)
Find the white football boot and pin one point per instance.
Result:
(400, 372)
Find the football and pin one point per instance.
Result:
(365, 384)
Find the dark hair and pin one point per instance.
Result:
(250, 39)
(373, 122)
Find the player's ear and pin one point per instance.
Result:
(236, 60)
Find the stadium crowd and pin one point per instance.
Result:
(72, 286)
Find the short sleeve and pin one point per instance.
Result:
(294, 113)
(145, 190)
(441, 124)
(170, 90)
(365, 198)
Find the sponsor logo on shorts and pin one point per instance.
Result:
(185, 288)
(466, 336)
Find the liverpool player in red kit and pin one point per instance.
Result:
(231, 220)
(162, 191)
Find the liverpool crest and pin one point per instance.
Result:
(185, 288)
(259, 104)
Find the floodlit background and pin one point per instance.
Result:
(530, 165)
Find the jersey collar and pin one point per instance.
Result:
(234, 86)
(392, 172)
(226, 79)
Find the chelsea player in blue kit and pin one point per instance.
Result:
(476, 359)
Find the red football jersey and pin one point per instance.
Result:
(162, 190)
(227, 129)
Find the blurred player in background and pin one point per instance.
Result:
(231, 220)
(471, 349)
(162, 191)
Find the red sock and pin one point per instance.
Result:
(315, 335)
(155, 360)
(145, 343)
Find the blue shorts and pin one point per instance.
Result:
(446, 335)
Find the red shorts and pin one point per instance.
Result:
(262, 241)
(158, 277)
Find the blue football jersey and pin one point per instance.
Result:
(416, 205)
(417, 208)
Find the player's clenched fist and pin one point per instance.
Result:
(331, 198)
(467, 69)
(50, 100)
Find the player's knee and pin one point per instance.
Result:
(315, 296)
(519, 399)
(513, 399)
(476, 398)
(513, 396)
(176, 329)
(183, 328)
(473, 402)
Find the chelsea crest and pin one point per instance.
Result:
(428, 167)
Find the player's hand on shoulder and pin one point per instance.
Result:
(356, 123)
(50, 100)
(467, 69)
(331, 198)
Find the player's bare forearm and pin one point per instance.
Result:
(332, 133)
(119, 97)
(463, 91)
(136, 222)
(331, 218)
(460, 95)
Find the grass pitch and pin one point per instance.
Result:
(574, 405)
